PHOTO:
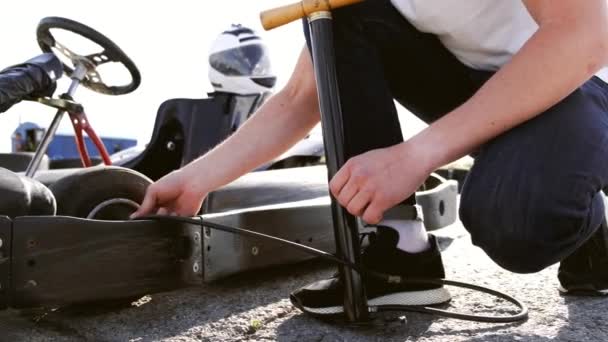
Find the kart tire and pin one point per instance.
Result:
(21, 196)
(297, 161)
(85, 192)
(70, 163)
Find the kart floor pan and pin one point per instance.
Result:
(292, 204)
(54, 261)
(306, 222)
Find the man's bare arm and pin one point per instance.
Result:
(570, 46)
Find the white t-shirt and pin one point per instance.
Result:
(482, 34)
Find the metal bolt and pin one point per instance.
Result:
(255, 250)
(31, 283)
(196, 237)
(171, 146)
(195, 267)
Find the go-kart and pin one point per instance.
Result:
(65, 236)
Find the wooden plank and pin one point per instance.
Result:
(5, 261)
(61, 260)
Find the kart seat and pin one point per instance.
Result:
(20, 196)
(184, 129)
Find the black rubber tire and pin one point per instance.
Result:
(71, 163)
(78, 194)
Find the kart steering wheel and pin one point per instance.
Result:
(111, 53)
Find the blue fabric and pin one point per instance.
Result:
(532, 197)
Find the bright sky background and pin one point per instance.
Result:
(167, 40)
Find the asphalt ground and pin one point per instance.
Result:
(255, 307)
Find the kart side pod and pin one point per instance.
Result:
(52, 261)
(291, 204)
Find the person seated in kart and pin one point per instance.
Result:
(512, 82)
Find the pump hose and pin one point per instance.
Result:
(520, 316)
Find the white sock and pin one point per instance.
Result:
(413, 237)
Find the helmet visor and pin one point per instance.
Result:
(248, 60)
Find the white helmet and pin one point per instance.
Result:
(239, 63)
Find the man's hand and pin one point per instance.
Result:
(277, 125)
(174, 194)
(373, 182)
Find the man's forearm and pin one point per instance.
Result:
(278, 124)
(552, 64)
(271, 131)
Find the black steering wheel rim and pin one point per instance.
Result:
(111, 53)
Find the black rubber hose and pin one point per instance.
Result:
(520, 316)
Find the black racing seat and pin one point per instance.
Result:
(32, 79)
(184, 129)
(187, 128)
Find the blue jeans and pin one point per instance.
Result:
(533, 195)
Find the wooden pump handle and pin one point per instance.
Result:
(284, 15)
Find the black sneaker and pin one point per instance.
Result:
(325, 297)
(585, 272)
